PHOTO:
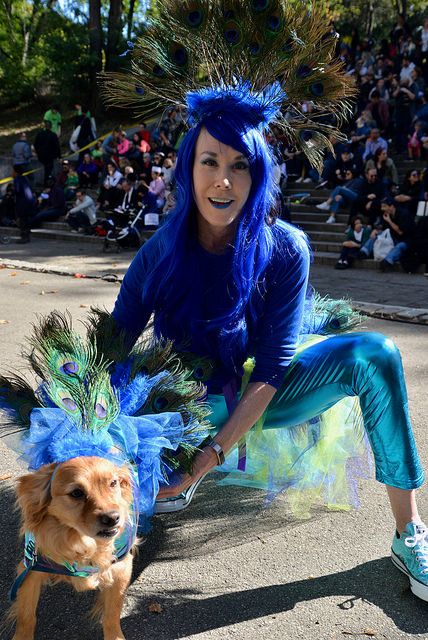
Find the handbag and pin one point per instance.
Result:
(383, 245)
(422, 210)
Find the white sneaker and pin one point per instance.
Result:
(331, 219)
(307, 180)
(298, 181)
(324, 206)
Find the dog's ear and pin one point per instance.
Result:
(125, 483)
(33, 491)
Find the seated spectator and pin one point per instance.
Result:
(109, 193)
(158, 158)
(379, 110)
(407, 67)
(373, 142)
(400, 224)
(405, 95)
(97, 154)
(84, 213)
(410, 192)
(363, 126)
(345, 162)
(145, 173)
(7, 208)
(144, 134)
(168, 173)
(414, 146)
(157, 188)
(109, 145)
(62, 175)
(356, 237)
(53, 207)
(386, 169)
(123, 144)
(372, 193)
(87, 172)
(350, 192)
(140, 145)
(128, 199)
(71, 183)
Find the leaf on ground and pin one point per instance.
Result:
(3, 266)
(4, 321)
(43, 293)
(84, 306)
(370, 632)
(155, 607)
(5, 476)
(25, 282)
(13, 274)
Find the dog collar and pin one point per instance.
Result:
(35, 562)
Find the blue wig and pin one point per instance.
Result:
(169, 286)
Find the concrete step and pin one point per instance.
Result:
(327, 236)
(310, 227)
(330, 258)
(325, 246)
(53, 234)
(318, 216)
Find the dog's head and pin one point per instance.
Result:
(90, 495)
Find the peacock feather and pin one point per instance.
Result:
(200, 44)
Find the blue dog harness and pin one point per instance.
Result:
(35, 562)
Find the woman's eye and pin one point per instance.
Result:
(77, 494)
(209, 162)
(241, 166)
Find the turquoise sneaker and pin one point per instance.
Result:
(409, 553)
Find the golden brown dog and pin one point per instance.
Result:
(76, 510)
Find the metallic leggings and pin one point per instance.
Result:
(367, 365)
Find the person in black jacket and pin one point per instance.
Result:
(372, 192)
(47, 149)
(25, 203)
(54, 205)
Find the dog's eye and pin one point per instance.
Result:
(77, 493)
(113, 483)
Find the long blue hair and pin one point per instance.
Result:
(168, 288)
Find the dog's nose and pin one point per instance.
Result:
(109, 519)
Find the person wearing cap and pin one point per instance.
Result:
(157, 187)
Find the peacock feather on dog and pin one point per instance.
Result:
(98, 395)
(283, 51)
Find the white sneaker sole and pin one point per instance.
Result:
(178, 504)
(419, 589)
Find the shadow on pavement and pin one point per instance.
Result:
(207, 527)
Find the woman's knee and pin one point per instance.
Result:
(376, 348)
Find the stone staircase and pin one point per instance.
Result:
(326, 239)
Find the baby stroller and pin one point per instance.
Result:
(125, 231)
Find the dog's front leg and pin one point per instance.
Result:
(25, 606)
(111, 599)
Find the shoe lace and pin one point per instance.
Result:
(419, 545)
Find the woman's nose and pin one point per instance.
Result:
(223, 183)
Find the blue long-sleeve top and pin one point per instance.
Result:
(279, 304)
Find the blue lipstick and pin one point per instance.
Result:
(220, 205)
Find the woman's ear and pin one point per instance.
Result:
(125, 483)
(34, 496)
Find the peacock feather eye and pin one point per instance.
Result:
(303, 71)
(179, 54)
(198, 373)
(274, 23)
(317, 89)
(140, 91)
(100, 410)
(259, 5)
(68, 403)
(160, 403)
(194, 18)
(255, 48)
(70, 367)
(232, 33)
(158, 71)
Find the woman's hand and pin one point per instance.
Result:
(204, 461)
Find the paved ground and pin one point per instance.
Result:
(370, 286)
(227, 568)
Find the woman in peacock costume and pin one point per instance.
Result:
(227, 283)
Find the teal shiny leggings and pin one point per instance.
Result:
(367, 365)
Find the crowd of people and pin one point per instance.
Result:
(126, 173)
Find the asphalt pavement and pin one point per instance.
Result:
(229, 567)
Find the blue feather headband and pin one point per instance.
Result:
(257, 109)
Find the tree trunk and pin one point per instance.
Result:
(114, 35)
(130, 19)
(95, 49)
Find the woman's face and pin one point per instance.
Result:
(221, 181)
(383, 155)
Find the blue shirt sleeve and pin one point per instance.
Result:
(280, 323)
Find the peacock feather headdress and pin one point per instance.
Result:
(98, 397)
(269, 58)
